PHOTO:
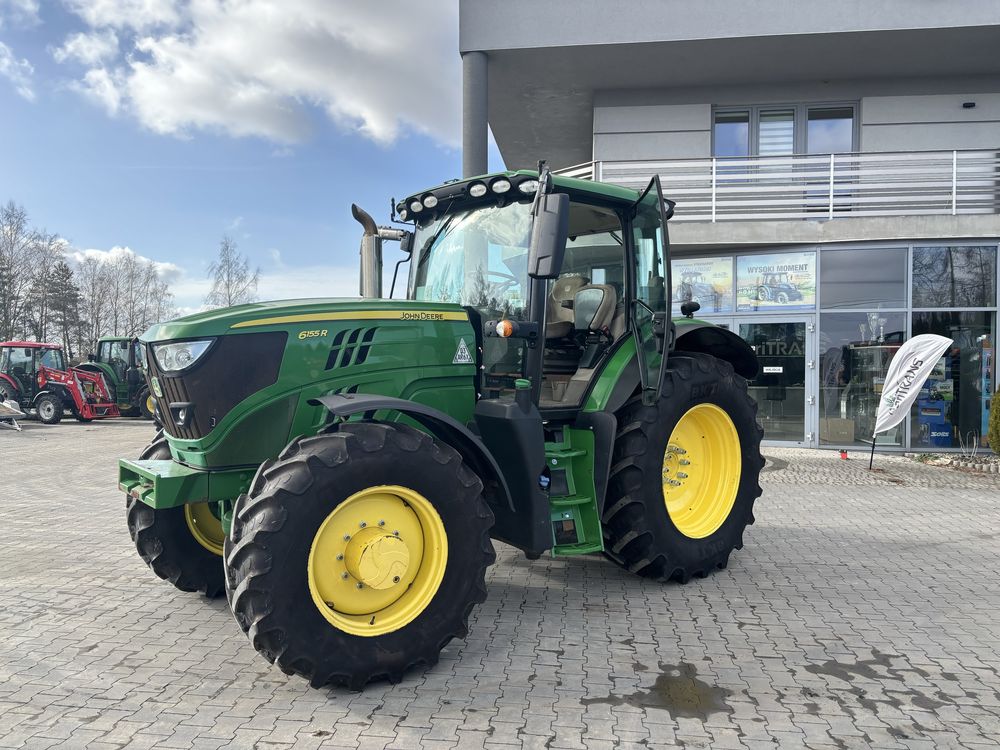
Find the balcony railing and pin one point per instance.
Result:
(816, 186)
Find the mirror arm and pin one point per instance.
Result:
(395, 271)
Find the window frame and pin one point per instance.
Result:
(800, 123)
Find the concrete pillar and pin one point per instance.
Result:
(474, 114)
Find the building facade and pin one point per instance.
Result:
(836, 168)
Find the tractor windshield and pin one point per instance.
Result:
(477, 257)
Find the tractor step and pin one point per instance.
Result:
(576, 523)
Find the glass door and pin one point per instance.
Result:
(784, 385)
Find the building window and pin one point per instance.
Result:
(783, 130)
(864, 278)
(776, 282)
(829, 130)
(952, 408)
(957, 276)
(707, 281)
(855, 349)
(732, 133)
(776, 132)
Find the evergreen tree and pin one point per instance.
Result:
(64, 306)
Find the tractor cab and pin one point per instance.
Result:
(119, 360)
(605, 280)
(21, 362)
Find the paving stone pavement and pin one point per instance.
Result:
(863, 612)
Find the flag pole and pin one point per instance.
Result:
(871, 460)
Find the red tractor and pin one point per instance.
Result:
(35, 376)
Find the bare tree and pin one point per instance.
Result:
(41, 296)
(233, 283)
(120, 295)
(18, 242)
(92, 278)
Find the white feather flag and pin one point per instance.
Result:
(908, 370)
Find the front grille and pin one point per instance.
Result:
(234, 368)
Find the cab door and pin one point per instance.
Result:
(650, 284)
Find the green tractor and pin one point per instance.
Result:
(339, 467)
(119, 359)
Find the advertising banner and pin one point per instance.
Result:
(778, 281)
(908, 370)
(707, 281)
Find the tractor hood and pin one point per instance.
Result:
(253, 373)
(298, 314)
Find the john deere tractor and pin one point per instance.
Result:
(118, 359)
(339, 467)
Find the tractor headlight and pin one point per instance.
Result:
(528, 187)
(500, 185)
(179, 355)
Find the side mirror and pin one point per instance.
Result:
(689, 308)
(91, 357)
(549, 232)
(406, 242)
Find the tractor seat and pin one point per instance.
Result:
(559, 319)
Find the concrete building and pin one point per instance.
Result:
(836, 168)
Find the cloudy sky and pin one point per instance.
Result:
(160, 125)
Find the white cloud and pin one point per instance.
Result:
(89, 49)
(169, 272)
(264, 67)
(127, 14)
(100, 87)
(20, 12)
(276, 259)
(18, 72)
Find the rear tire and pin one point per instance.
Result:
(166, 543)
(49, 409)
(273, 554)
(640, 533)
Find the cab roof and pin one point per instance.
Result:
(458, 190)
(30, 345)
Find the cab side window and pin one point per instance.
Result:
(51, 358)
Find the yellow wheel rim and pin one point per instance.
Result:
(205, 527)
(377, 560)
(150, 404)
(701, 470)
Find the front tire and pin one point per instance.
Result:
(145, 404)
(319, 579)
(49, 409)
(182, 545)
(8, 393)
(685, 473)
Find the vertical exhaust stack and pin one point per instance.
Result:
(371, 251)
(371, 254)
